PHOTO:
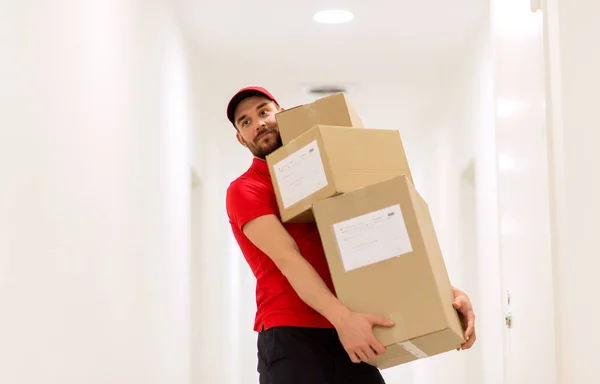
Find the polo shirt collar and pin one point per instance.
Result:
(260, 166)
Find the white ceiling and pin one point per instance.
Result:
(281, 22)
(397, 57)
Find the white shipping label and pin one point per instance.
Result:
(413, 350)
(372, 238)
(300, 174)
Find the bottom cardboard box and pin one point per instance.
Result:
(385, 259)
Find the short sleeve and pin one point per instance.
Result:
(246, 200)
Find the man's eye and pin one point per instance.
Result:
(262, 113)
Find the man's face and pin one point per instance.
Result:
(256, 125)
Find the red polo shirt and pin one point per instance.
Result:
(248, 197)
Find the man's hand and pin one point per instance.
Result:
(355, 331)
(467, 317)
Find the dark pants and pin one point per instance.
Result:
(293, 355)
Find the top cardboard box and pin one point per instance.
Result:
(330, 110)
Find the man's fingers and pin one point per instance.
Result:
(470, 342)
(355, 359)
(378, 320)
(369, 353)
(456, 304)
(378, 347)
(362, 355)
(470, 328)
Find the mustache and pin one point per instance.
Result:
(263, 132)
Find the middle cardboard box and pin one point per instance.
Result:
(330, 160)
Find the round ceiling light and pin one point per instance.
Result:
(334, 16)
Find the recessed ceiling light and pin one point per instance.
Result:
(334, 16)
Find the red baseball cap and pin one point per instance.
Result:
(244, 93)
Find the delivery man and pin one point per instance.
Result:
(305, 334)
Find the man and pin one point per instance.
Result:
(305, 335)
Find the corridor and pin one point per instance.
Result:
(118, 264)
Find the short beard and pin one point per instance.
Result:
(263, 153)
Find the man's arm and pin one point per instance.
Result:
(355, 330)
(267, 233)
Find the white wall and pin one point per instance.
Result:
(574, 80)
(94, 200)
(223, 306)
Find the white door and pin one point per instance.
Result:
(523, 193)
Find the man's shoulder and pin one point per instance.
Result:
(249, 196)
(241, 182)
(250, 188)
(241, 179)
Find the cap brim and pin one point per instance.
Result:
(241, 95)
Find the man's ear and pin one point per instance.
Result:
(240, 139)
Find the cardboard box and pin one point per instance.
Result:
(385, 259)
(330, 110)
(329, 160)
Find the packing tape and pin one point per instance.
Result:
(400, 333)
(413, 349)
